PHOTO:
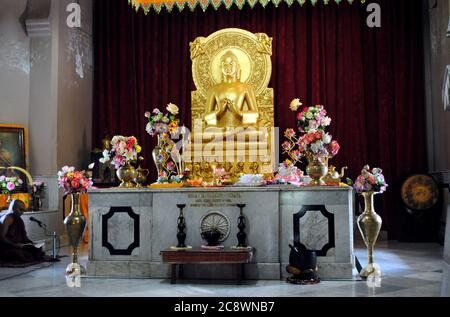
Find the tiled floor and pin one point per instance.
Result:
(409, 270)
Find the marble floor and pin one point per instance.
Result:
(409, 270)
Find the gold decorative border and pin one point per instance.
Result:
(158, 5)
(25, 137)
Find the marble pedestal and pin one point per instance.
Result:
(129, 228)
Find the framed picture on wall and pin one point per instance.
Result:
(13, 146)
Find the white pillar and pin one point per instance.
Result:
(446, 269)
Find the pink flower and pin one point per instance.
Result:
(10, 186)
(171, 166)
(86, 184)
(147, 114)
(286, 145)
(118, 161)
(313, 125)
(289, 133)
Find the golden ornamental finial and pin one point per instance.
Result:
(265, 43)
(196, 47)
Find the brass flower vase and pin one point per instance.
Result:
(126, 175)
(37, 203)
(317, 169)
(157, 156)
(369, 224)
(75, 224)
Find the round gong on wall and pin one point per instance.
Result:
(420, 192)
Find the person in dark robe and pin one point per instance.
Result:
(15, 246)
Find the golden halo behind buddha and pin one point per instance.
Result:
(252, 50)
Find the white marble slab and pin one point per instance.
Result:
(269, 227)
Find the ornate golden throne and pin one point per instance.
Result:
(253, 52)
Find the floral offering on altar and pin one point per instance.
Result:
(38, 187)
(171, 176)
(162, 123)
(312, 122)
(73, 181)
(289, 173)
(311, 119)
(318, 143)
(370, 181)
(123, 150)
(166, 155)
(314, 143)
(9, 184)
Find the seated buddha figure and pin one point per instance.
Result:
(231, 103)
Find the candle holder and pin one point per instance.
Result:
(241, 235)
(181, 225)
(217, 173)
(181, 235)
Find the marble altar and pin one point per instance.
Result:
(129, 228)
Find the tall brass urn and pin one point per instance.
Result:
(369, 224)
(75, 224)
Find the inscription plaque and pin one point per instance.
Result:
(213, 199)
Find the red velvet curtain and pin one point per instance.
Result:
(369, 79)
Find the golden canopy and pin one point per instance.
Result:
(157, 5)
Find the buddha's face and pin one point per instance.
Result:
(230, 65)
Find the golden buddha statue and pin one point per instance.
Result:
(232, 108)
(225, 102)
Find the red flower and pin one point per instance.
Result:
(318, 135)
(75, 183)
(131, 141)
(371, 180)
(334, 147)
(309, 138)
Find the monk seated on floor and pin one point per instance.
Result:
(15, 246)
